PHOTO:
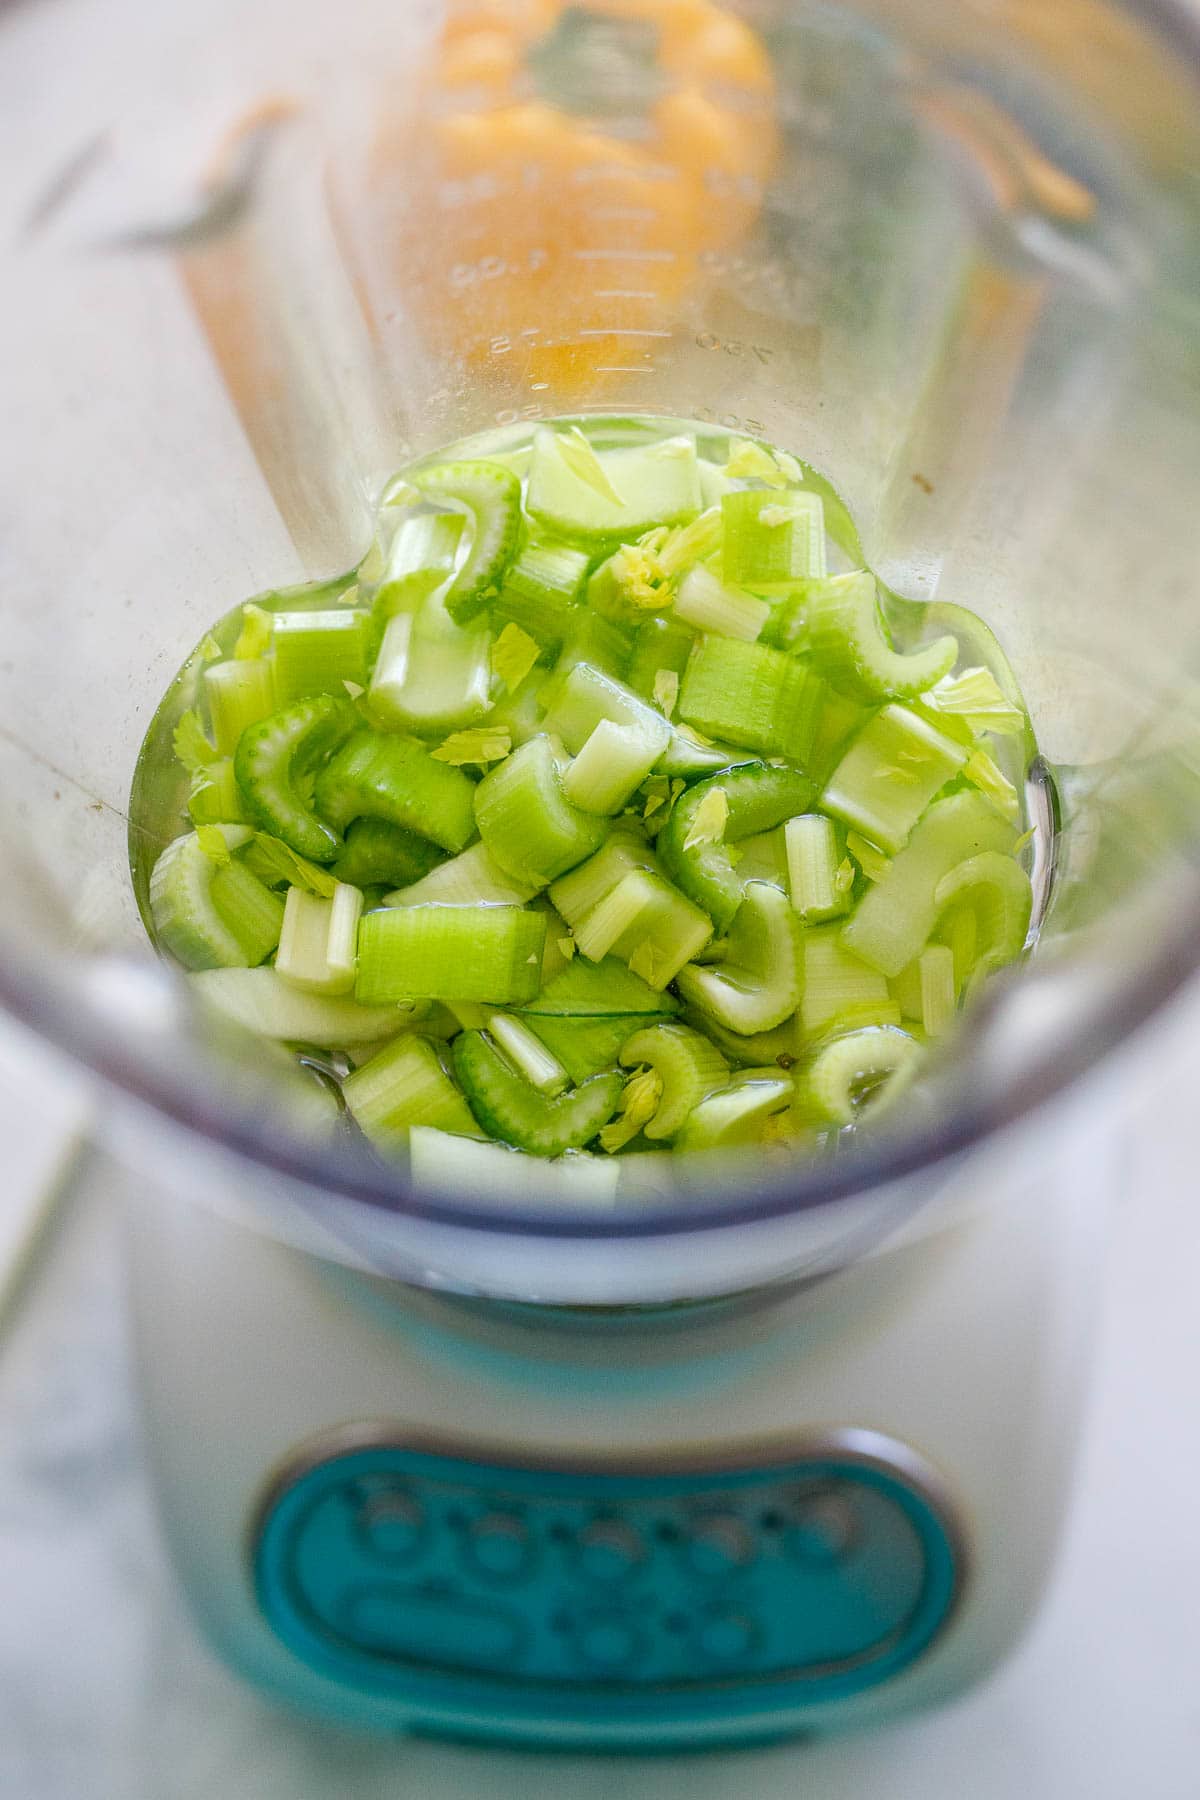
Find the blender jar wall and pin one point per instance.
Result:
(953, 272)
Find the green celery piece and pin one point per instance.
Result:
(491, 496)
(631, 490)
(891, 771)
(404, 1085)
(486, 953)
(587, 697)
(606, 773)
(602, 643)
(688, 756)
(431, 675)
(541, 592)
(648, 924)
(756, 1049)
(318, 652)
(757, 987)
(584, 1046)
(854, 1075)
(820, 876)
(575, 894)
(759, 797)
(508, 1108)
(252, 912)
(239, 693)
(318, 942)
(735, 1114)
(187, 921)
(214, 798)
(771, 539)
(706, 604)
(658, 644)
(688, 1064)
(848, 640)
(892, 922)
(1000, 894)
(378, 853)
(455, 1165)
(272, 759)
(606, 989)
(421, 558)
(838, 720)
(471, 878)
(751, 695)
(383, 776)
(840, 990)
(261, 1002)
(527, 823)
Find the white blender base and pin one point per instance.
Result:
(968, 1345)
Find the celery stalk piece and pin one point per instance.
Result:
(612, 764)
(251, 911)
(891, 771)
(442, 1163)
(319, 652)
(837, 721)
(819, 876)
(377, 853)
(736, 1113)
(648, 924)
(781, 1045)
(421, 559)
(510, 1109)
(585, 990)
(854, 1075)
(758, 798)
(262, 1002)
(587, 1044)
(405, 1085)
(848, 640)
(624, 850)
(659, 646)
(757, 987)
(239, 693)
(998, 892)
(491, 498)
(528, 825)
(905, 989)
(763, 857)
(491, 953)
(770, 539)
(470, 879)
(319, 940)
(688, 1065)
(215, 798)
(629, 586)
(525, 1050)
(688, 755)
(382, 776)
(751, 695)
(839, 989)
(272, 760)
(542, 590)
(895, 917)
(588, 696)
(519, 713)
(601, 643)
(935, 967)
(706, 604)
(431, 679)
(591, 497)
(187, 921)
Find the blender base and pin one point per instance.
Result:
(404, 1510)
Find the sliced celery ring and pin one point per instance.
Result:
(854, 1074)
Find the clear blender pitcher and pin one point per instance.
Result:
(631, 1476)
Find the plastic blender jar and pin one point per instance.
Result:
(790, 1451)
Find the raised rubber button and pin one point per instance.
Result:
(607, 1641)
(391, 1525)
(499, 1544)
(824, 1525)
(434, 1629)
(608, 1550)
(727, 1637)
(718, 1544)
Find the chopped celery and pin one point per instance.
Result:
(471, 878)
(935, 968)
(780, 1045)
(839, 989)
(529, 826)
(275, 864)
(757, 986)
(975, 697)
(771, 540)
(421, 559)
(597, 990)
(587, 696)
(707, 604)
(441, 1162)
(648, 924)
(639, 1102)
(998, 892)
(262, 1002)
(319, 652)
(751, 695)
(612, 764)
(736, 1113)
(892, 922)
(438, 952)
(629, 586)
(382, 776)
(405, 1085)
(848, 640)
(819, 877)
(318, 942)
(688, 1065)
(510, 1109)
(892, 770)
(689, 754)
(853, 1074)
(527, 1053)
(541, 591)
(215, 798)
(272, 761)
(590, 496)
(378, 853)
(491, 497)
(600, 642)
(187, 921)
(661, 646)
(758, 798)
(514, 654)
(430, 678)
(585, 1045)
(251, 911)
(239, 693)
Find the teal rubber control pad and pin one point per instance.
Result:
(400, 1570)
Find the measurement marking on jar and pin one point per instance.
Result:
(622, 331)
(658, 256)
(624, 294)
(626, 368)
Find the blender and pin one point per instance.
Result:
(788, 1450)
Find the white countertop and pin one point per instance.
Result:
(106, 1693)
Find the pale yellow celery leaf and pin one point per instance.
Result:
(353, 689)
(843, 879)
(639, 1103)
(513, 655)
(211, 840)
(567, 946)
(645, 962)
(984, 773)
(255, 635)
(583, 462)
(481, 744)
(666, 691)
(708, 825)
(192, 747)
(976, 697)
